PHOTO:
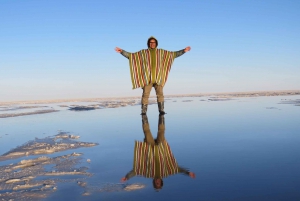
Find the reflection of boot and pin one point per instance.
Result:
(144, 119)
(161, 120)
(144, 109)
(161, 108)
(161, 129)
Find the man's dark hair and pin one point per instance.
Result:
(148, 42)
(156, 187)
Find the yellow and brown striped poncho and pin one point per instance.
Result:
(154, 161)
(143, 72)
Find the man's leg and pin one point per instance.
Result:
(160, 98)
(145, 98)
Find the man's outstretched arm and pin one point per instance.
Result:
(123, 52)
(181, 52)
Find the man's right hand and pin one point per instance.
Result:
(119, 50)
(187, 49)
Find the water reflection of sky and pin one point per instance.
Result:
(240, 149)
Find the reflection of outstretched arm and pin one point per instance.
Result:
(128, 176)
(183, 170)
(186, 172)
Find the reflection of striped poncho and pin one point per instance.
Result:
(154, 161)
(141, 69)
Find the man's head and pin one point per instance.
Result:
(152, 42)
(158, 184)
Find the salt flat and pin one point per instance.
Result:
(243, 146)
(16, 108)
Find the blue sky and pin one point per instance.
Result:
(65, 49)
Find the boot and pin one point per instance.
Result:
(161, 108)
(144, 109)
(144, 119)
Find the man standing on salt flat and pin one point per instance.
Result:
(150, 68)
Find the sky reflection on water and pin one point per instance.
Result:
(239, 149)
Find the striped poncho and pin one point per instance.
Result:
(154, 161)
(143, 72)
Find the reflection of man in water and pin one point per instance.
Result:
(153, 158)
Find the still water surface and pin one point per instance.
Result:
(239, 149)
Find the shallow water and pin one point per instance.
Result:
(239, 149)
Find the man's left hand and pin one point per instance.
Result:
(187, 49)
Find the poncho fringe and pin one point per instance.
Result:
(141, 67)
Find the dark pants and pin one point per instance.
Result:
(147, 90)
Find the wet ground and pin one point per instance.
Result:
(239, 148)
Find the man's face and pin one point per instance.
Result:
(152, 44)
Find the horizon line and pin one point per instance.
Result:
(240, 94)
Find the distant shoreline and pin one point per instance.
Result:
(223, 94)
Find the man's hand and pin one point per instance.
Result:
(119, 50)
(192, 175)
(123, 179)
(187, 49)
